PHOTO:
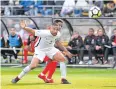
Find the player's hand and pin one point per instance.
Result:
(69, 47)
(87, 47)
(22, 24)
(114, 44)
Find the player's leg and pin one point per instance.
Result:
(61, 58)
(55, 55)
(50, 69)
(114, 53)
(63, 71)
(53, 65)
(33, 65)
(36, 59)
(25, 52)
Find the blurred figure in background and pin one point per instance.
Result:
(2, 45)
(13, 41)
(68, 8)
(75, 45)
(101, 42)
(28, 6)
(28, 46)
(113, 43)
(89, 44)
(110, 9)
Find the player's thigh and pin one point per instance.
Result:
(34, 62)
(56, 55)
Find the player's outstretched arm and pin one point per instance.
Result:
(23, 26)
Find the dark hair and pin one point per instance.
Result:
(91, 29)
(58, 20)
(12, 27)
(54, 24)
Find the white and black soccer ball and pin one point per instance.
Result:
(95, 12)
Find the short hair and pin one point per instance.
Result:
(54, 24)
(58, 20)
(12, 28)
(91, 29)
(75, 32)
(100, 29)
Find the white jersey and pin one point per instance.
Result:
(46, 40)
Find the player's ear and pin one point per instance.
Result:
(48, 27)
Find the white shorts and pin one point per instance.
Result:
(40, 54)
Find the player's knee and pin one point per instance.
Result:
(62, 59)
(33, 66)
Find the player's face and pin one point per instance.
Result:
(115, 32)
(100, 32)
(59, 25)
(54, 30)
(91, 32)
(75, 34)
(12, 31)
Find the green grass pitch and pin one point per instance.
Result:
(80, 78)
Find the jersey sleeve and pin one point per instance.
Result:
(41, 33)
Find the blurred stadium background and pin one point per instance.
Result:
(40, 14)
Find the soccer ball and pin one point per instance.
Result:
(95, 12)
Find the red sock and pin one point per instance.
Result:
(25, 51)
(46, 68)
(52, 69)
(25, 55)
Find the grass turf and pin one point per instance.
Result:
(80, 79)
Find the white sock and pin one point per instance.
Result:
(25, 71)
(63, 69)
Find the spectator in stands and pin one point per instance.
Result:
(113, 43)
(68, 8)
(75, 45)
(89, 44)
(58, 4)
(110, 9)
(39, 7)
(28, 6)
(14, 41)
(18, 9)
(82, 8)
(6, 10)
(2, 45)
(48, 10)
(99, 3)
(101, 43)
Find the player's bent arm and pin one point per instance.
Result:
(30, 30)
(60, 46)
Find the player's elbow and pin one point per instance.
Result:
(33, 32)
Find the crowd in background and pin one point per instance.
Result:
(97, 45)
(56, 7)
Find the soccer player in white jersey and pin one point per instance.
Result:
(43, 47)
(47, 73)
